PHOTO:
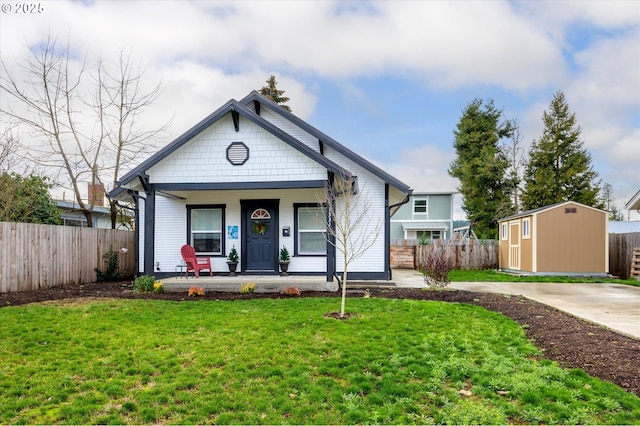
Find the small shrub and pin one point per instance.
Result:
(144, 284)
(158, 287)
(233, 255)
(111, 266)
(247, 288)
(195, 291)
(284, 255)
(436, 269)
(291, 291)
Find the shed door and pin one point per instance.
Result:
(514, 245)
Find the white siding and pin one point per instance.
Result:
(286, 125)
(171, 225)
(204, 158)
(171, 232)
(371, 189)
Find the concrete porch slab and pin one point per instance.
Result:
(264, 283)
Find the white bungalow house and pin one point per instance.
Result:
(250, 176)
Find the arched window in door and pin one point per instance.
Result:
(260, 214)
(260, 221)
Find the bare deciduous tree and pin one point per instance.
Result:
(352, 227)
(119, 116)
(9, 147)
(513, 151)
(87, 121)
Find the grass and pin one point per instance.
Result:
(281, 361)
(494, 276)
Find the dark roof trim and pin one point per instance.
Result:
(323, 138)
(230, 107)
(634, 202)
(209, 186)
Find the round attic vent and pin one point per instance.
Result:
(237, 153)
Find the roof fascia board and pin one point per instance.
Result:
(327, 140)
(634, 202)
(534, 212)
(232, 106)
(177, 143)
(293, 142)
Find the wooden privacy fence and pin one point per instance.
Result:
(620, 253)
(41, 256)
(472, 255)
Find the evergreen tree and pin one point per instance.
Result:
(608, 203)
(481, 166)
(272, 92)
(559, 167)
(27, 199)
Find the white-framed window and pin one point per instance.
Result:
(206, 224)
(310, 230)
(526, 228)
(420, 206)
(424, 235)
(505, 231)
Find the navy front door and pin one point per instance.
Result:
(260, 230)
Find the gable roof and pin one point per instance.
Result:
(232, 106)
(634, 202)
(327, 140)
(549, 207)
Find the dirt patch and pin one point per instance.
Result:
(570, 341)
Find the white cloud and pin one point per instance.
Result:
(207, 52)
(446, 43)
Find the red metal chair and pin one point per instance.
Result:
(195, 264)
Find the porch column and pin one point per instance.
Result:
(331, 232)
(387, 233)
(149, 231)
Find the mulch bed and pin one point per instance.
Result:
(570, 341)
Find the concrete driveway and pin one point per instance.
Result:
(615, 306)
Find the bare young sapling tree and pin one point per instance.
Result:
(352, 227)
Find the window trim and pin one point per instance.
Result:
(296, 230)
(222, 208)
(526, 228)
(505, 231)
(426, 206)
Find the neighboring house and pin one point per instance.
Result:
(563, 238)
(634, 203)
(427, 215)
(71, 215)
(252, 176)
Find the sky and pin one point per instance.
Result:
(389, 80)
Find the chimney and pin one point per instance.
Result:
(95, 194)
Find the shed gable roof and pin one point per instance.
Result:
(545, 208)
(232, 106)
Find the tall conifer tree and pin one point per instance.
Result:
(559, 167)
(273, 93)
(481, 166)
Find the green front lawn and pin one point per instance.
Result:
(281, 361)
(491, 275)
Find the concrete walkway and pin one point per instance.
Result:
(614, 306)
